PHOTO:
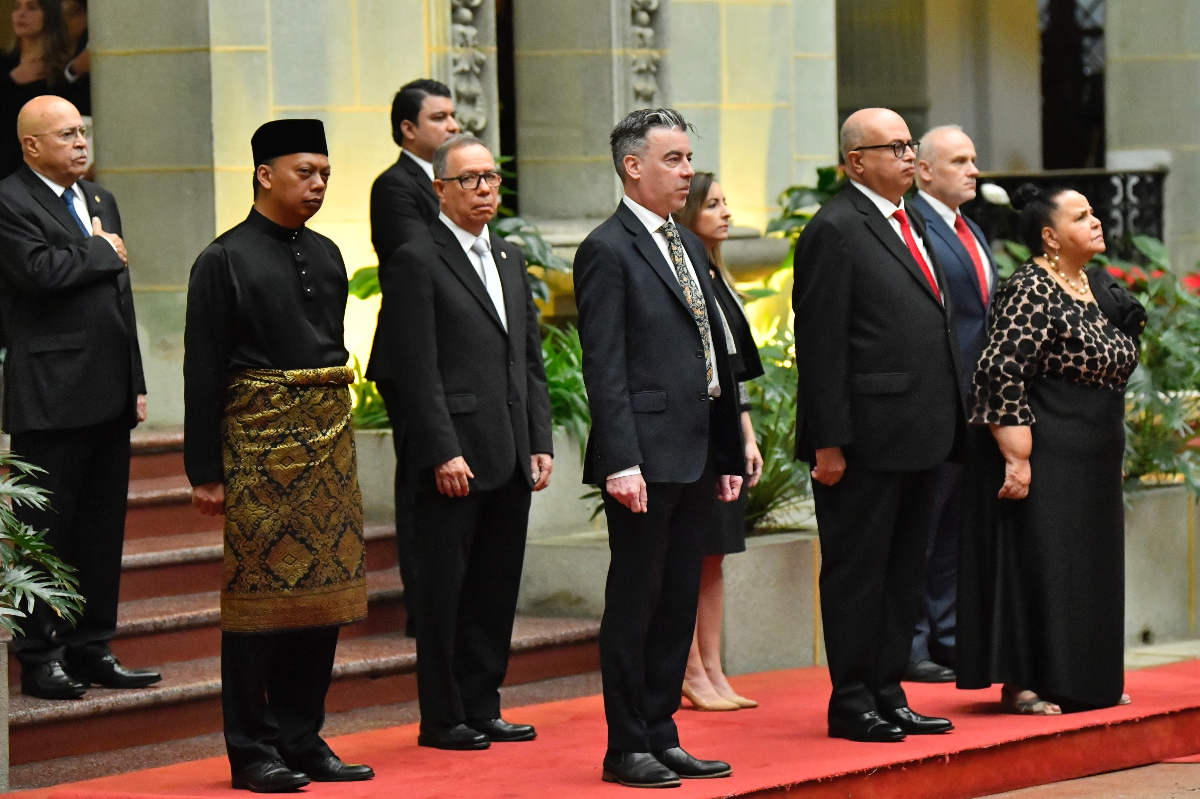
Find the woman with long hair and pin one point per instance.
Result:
(705, 685)
(34, 64)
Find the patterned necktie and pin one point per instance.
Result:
(68, 197)
(968, 240)
(691, 291)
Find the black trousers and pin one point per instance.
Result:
(87, 473)
(938, 619)
(470, 551)
(273, 688)
(874, 530)
(405, 554)
(650, 610)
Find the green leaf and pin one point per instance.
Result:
(758, 293)
(365, 282)
(1154, 250)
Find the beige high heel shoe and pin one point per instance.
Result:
(741, 701)
(700, 704)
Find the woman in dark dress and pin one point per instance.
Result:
(33, 65)
(705, 685)
(1041, 579)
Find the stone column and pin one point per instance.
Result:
(463, 56)
(176, 97)
(1153, 107)
(581, 65)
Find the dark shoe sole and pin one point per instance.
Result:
(129, 685)
(342, 779)
(528, 737)
(608, 776)
(857, 739)
(422, 741)
(716, 775)
(53, 695)
(294, 785)
(937, 731)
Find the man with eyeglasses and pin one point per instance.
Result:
(73, 389)
(403, 205)
(879, 409)
(462, 333)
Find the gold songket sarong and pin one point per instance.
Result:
(294, 550)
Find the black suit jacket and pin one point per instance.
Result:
(876, 351)
(73, 357)
(643, 360)
(403, 206)
(468, 388)
(962, 283)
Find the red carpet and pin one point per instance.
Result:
(778, 748)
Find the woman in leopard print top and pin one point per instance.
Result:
(1042, 551)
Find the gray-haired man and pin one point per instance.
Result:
(665, 441)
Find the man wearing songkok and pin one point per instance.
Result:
(268, 442)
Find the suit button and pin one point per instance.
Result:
(704, 396)
(510, 402)
(699, 353)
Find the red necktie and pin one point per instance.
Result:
(906, 231)
(968, 239)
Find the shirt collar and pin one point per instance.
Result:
(56, 188)
(943, 210)
(272, 229)
(465, 237)
(651, 220)
(885, 206)
(425, 165)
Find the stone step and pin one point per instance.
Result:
(190, 563)
(174, 629)
(155, 454)
(370, 670)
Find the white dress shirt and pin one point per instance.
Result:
(888, 209)
(654, 224)
(426, 165)
(479, 253)
(950, 217)
(78, 201)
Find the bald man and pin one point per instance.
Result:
(73, 389)
(879, 408)
(946, 174)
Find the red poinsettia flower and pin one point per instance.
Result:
(1191, 282)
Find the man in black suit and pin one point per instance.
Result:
(73, 389)
(463, 337)
(403, 205)
(879, 407)
(665, 440)
(946, 173)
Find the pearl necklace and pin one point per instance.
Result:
(1083, 290)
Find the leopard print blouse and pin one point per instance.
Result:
(1038, 329)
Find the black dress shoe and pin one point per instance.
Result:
(928, 671)
(50, 681)
(107, 672)
(331, 769)
(499, 730)
(690, 768)
(866, 727)
(459, 737)
(913, 723)
(271, 777)
(637, 770)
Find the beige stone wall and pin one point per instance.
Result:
(758, 79)
(178, 92)
(1153, 106)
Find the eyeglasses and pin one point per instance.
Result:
(470, 180)
(67, 135)
(897, 147)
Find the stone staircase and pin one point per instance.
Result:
(170, 616)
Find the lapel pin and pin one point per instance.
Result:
(97, 199)
(503, 254)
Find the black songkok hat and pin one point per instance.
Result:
(286, 136)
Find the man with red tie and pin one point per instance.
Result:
(946, 174)
(879, 409)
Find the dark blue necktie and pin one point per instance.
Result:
(69, 198)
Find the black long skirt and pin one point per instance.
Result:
(1041, 590)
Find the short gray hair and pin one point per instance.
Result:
(450, 145)
(928, 148)
(851, 137)
(629, 136)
